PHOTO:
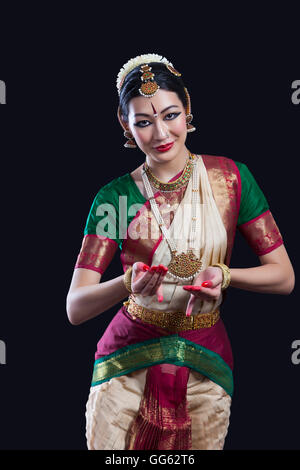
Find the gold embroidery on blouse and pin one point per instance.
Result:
(262, 233)
(96, 252)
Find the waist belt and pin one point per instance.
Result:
(173, 321)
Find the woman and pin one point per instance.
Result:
(163, 370)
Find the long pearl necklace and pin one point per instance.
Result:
(183, 266)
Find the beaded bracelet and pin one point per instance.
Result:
(226, 275)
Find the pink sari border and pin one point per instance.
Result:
(262, 233)
(254, 220)
(89, 266)
(96, 253)
(271, 248)
(239, 187)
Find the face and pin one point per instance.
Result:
(158, 125)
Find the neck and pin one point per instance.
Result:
(165, 170)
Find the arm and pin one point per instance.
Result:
(258, 227)
(274, 276)
(87, 297)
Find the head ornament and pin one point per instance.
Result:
(148, 87)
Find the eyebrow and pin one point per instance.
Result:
(164, 110)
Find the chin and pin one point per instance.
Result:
(163, 156)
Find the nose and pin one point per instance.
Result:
(160, 130)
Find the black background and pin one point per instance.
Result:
(61, 141)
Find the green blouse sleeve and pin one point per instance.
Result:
(103, 215)
(113, 208)
(253, 202)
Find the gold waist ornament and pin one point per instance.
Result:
(172, 321)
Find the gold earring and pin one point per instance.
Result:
(189, 126)
(189, 116)
(130, 144)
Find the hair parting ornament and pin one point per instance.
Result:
(148, 87)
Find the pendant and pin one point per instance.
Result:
(184, 265)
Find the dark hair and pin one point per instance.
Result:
(163, 77)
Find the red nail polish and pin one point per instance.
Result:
(160, 298)
(206, 284)
(163, 268)
(145, 267)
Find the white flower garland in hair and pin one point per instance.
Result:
(140, 59)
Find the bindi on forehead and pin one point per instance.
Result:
(154, 111)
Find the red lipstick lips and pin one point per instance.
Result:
(164, 148)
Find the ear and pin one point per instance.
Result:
(123, 123)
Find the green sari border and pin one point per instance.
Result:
(171, 349)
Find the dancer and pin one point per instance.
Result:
(162, 376)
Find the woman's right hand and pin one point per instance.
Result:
(146, 280)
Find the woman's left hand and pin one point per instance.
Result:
(206, 286)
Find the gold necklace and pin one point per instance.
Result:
(173, 185)
(183, 266)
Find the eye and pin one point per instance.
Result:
(171, 116)
(143, 123)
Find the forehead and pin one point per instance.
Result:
(161, 100)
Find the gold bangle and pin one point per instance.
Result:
(226, 275)
(127, 279)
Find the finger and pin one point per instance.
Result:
(138, 271)
(207, 284)
(190, 305)
(162, 273)
(147, 284)
(163, 268)
(208, 293)
(159, 293)
(193, 289)
(141, 280)
(151, 282)
(203, 293)
(211, 283)
(140, 268)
